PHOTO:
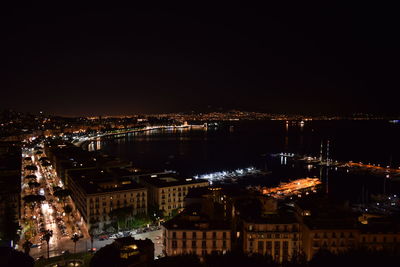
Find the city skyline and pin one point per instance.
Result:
(115, 60)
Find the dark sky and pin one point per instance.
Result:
(99, 60)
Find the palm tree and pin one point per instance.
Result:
(33, 199)
(46, 164)
(27, 246)
(47, 237)
(44, 159)
(62, 194)
(31, 177)
(33, 184)
(91, 231)
(68, 210)
(75, 238)
(31, 168)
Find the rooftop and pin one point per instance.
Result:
(96, 181)
(168, 179)
(195, 221)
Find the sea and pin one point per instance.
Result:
(241, 144)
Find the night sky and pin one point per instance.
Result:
(110, 60)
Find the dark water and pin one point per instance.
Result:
(244, 144)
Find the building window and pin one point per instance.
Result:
(224, 244)
(269, 247)
(174, 244)
(203, 244)
(285, 250)
(173, 234)
(193, 244)
(214, 244)
(183, 244)
(184, 235)
(277, 249)
(224, 235)
(204, 235)
(214, 235)
(194, 235)
(260, 247)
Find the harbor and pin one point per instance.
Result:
(231, 176)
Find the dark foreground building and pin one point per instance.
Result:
(125, 252)
(10, 190)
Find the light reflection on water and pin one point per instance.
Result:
(196, 151)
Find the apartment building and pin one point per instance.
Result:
(97, 193)
(167, 191)
(193, 232)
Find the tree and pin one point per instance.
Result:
(121, 215)
(33, 199)
(31, 177)
(68, 210)
(92, 230)
(155, 213)
(31, 168)
(33, 184)
(56, 188)
(46, 237)
(140, 220)
(75, 238)
(46, 164)
(44, 159)
(27, 246)
(62, 194)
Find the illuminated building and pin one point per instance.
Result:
(326, 225)
(196, 232)
(273, 232)
(127, 252)
(380, 234)
(135, 252)
(97, 193)
(65, 157)
(167, 192)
